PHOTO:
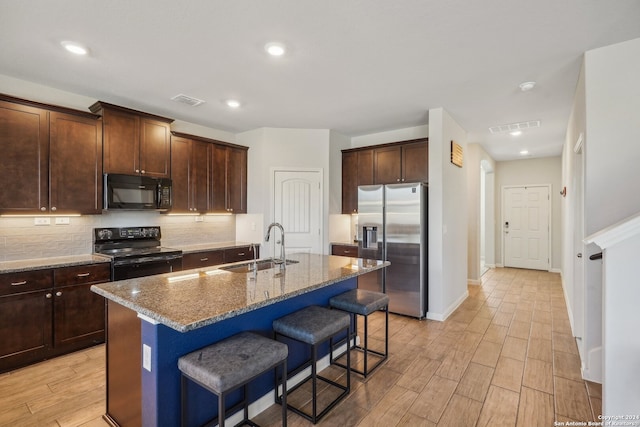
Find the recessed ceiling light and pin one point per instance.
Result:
(74, 47)
(527, 86)
(515, 133)
(524, 152)
(275, 49)
(232, 103)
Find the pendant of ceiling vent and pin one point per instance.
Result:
(515, 126)
(189, 100)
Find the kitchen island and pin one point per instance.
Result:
(184, 311)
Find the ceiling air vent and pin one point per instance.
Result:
(515, 126)
(189, 100)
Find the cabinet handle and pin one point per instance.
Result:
(142, 171)
(83, 274)
(48, 296)
(241, 254)
(58, 294)
(54, 209)
(24, 282)
(137, 170)
(347, 252)
(398, 180)
(43, 209)
(204, 259)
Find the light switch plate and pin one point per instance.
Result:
(62, 220)
(146, 357)
(42, 221)
(199, 218)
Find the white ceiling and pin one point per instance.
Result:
(354, 66)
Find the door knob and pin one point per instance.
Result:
(579, 255)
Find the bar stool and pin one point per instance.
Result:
(362, 302)
(230, 364)
(314, 325)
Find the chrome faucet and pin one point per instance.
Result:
(283, 260)
(254, 266)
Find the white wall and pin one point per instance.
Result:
(281, 148)
(339, 224)
(612, 155)
(546, 170)
(473, 159)
(404, 134)
(447, 217)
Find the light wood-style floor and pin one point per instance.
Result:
(506, 357)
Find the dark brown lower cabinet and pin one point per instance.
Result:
(46, 313)
(25, 328)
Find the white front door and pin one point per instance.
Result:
(526, 227)
(298, 207)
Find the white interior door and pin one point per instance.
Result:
(526, 227)
(578, 303)
(298, 207)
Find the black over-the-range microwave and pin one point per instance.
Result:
(135, 192)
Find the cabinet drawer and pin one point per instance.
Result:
(82, 274)
(27, 281)
(202, 259)
(344, 250)
(240, 254)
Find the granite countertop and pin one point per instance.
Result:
(191, 299)
(54, 262)
(201, 247)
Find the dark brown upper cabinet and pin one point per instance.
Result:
(228, 189)
(405, 161)
(190, 175)
(51, 159)
(135, 143)
(211, 174)
(357, 169)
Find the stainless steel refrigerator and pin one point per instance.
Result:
(392, 226)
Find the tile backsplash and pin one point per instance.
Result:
(21, 239)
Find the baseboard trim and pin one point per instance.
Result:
(592, 371)
(441, 317)
(474, 282)
(500, 265)
(555, 270)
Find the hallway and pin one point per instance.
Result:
(506, 357)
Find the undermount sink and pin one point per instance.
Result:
(261, 264)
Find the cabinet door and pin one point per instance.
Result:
(344, 250)
(387, 166)
(365, 168)
(415, 162)
(199, 175)
(121, 142)
(350, 182)
(25, 328)
(155, 148)
(78, 316)
(181, 174)
(236, 189)
(75, 182)
(218, 179)
(202, 259)
(24, 148)
(243, 253)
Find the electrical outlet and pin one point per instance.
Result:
(62, 220)
(42, 221)
(199, 218)
(146, 357)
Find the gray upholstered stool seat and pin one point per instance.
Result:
(231, 363)
(314, 325)
(363, 302)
